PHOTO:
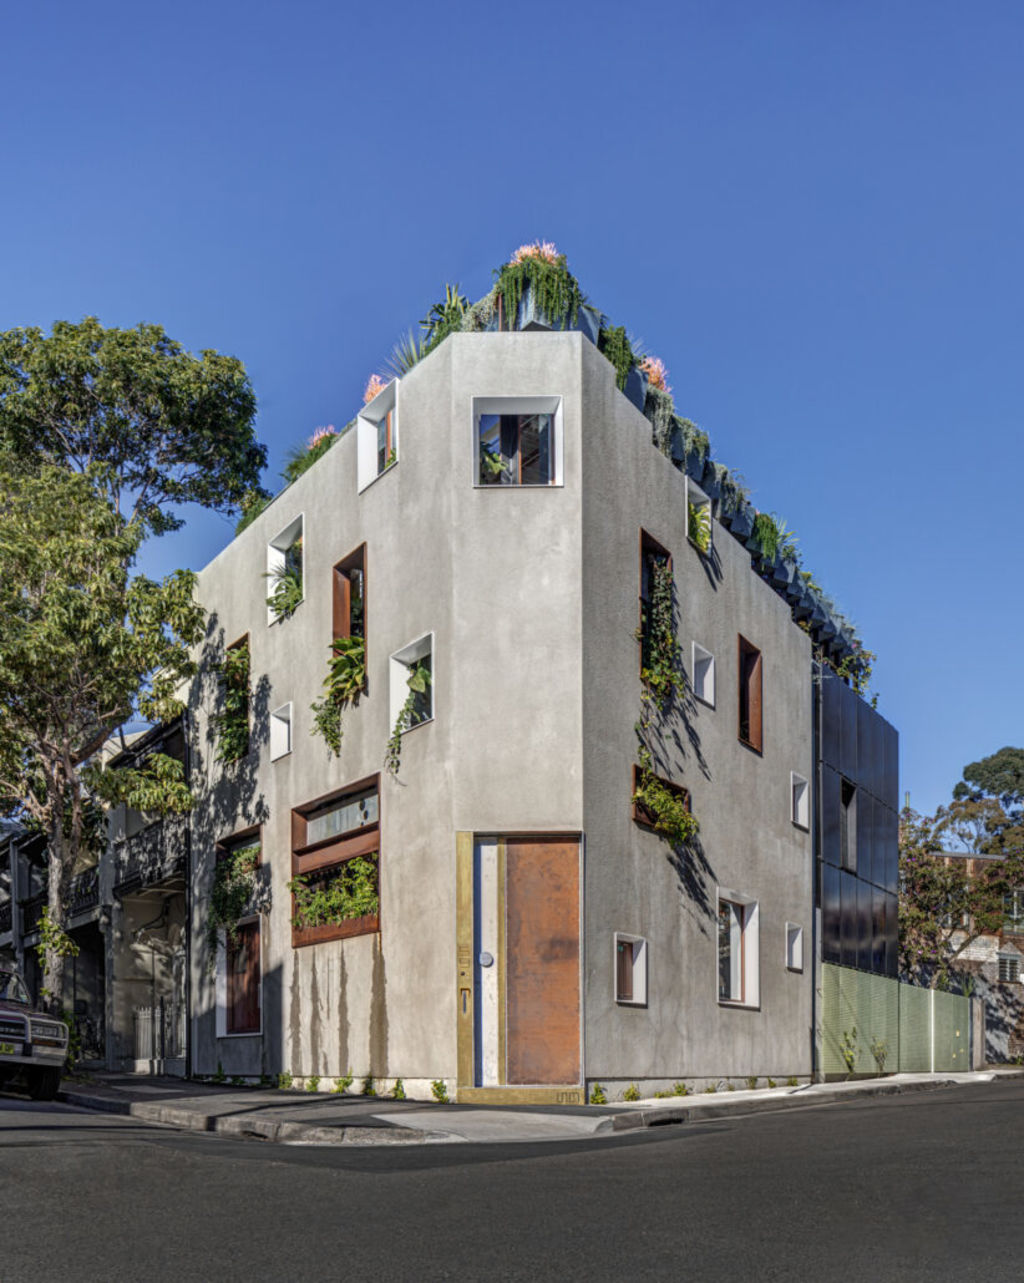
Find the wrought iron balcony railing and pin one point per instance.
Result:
(152, 857)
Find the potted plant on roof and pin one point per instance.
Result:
(697, 449)
(536, 288)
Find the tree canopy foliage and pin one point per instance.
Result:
(1000, 775)
(155, 425)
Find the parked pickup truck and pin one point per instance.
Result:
(33, 1045)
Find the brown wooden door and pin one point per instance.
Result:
(244, 980)
(542, 900)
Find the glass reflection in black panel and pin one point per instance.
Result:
(864, 906)
(831, 720)
(831, 917)
(878, 926)
(848, 911)
(848, 740)
(865, 834)
(892, 936)
(887, 847)
(829, 816)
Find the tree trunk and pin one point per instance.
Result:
(58, 880)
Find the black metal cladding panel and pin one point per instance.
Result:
(864, 890)
(866, 774)
(848, 911)
(890, 789)
(892, 936)
(878, 928)
(887, 847)
(848, 734)
(865, 833)
(829, 816)
(831, 720)
(831, 915)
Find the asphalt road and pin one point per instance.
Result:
(917, 1187)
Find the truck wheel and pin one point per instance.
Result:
(43, 1084)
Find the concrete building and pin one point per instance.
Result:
(534, 933)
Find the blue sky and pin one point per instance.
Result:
(812, 212)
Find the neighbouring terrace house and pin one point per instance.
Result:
(564, 814)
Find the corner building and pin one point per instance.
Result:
(494, 518)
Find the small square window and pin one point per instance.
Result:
(800, 800)
(630, 970)
(738, 974)
(794, 947)
(699, 525)
(517, 441)
(377, 435)
(285, 572)
(1009, 969)
(703, 675)
(412, 683)
(281, 732)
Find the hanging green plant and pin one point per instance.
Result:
(411, 714)
(699, 526)
(661, 658)
(287, 582)
(234, 885)
(614, 344)
(669, 813)
(766, 536)
(345, 681)
(351, 892)
(232, 722)
(556, 292)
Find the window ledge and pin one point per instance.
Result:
(256, 1033)
(283, 619)
(708, 703)
(528, 485)
(753, 747)
(629, 1002)
(384, 473)
(804, 828)
(426, 722)
(739, 1006)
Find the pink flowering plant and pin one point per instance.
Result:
(374, 385)
(305, 456)
(657, 375)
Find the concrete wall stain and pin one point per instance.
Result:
(378, 1015)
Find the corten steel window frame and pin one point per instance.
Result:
(341, 594)
(331, 853)
(232, 948)
(223, 849)
(649, 547)
(639, 814)
(750, 670)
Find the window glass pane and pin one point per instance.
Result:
(342, 816)
(422, 701)
(495, 469)
(730, 951)
(383, 441)
(534, 449)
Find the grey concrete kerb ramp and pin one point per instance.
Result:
(300, 1118)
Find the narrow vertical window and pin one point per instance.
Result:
(655, 594)
(243, 977)
(281, 732)
(848, 825)
(624, 970)
(794, 947)
(730, 951)
(799, 801)
(751, 728)
(285, 572)
(348, 596)
(630, 969)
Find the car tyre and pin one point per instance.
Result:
(43, 1084)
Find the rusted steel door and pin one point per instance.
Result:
(543, 960)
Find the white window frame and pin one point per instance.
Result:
(702, 661)
(1008, 959)
(221, 983)
(750, 930)
(639, 943)
(799, 801)
(281, 731)
(794, 947)
(367, 420)
(276, 550)
(519, 405)
(696, 496)
(399, 664)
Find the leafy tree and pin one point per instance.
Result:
(84, 645)
(1000, 775)
(946, 903)
(154, 424)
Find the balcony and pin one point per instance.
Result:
(153, 858)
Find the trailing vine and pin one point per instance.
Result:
(345, 680)
(699, 526)
(661, 658)
(232, 723)
(419, 679)
(556, 292)
(351, 892)
(614, 344)
(234, 885)
(669, 814)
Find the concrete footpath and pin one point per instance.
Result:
(298, 1117)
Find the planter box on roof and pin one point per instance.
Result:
(636, 387)
(741, 523)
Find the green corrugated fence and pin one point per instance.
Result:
(872, 1024)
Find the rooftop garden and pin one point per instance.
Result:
(535, 289)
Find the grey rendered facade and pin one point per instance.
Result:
(527, 596)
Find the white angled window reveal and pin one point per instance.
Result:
(800, 800)
(518, 441)
(794, 947)
(703, 675)
(699, 526)
(377, 435)
(284, 578)
(630, 964)
(281, 732)
(411, 683)
(738, 970)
